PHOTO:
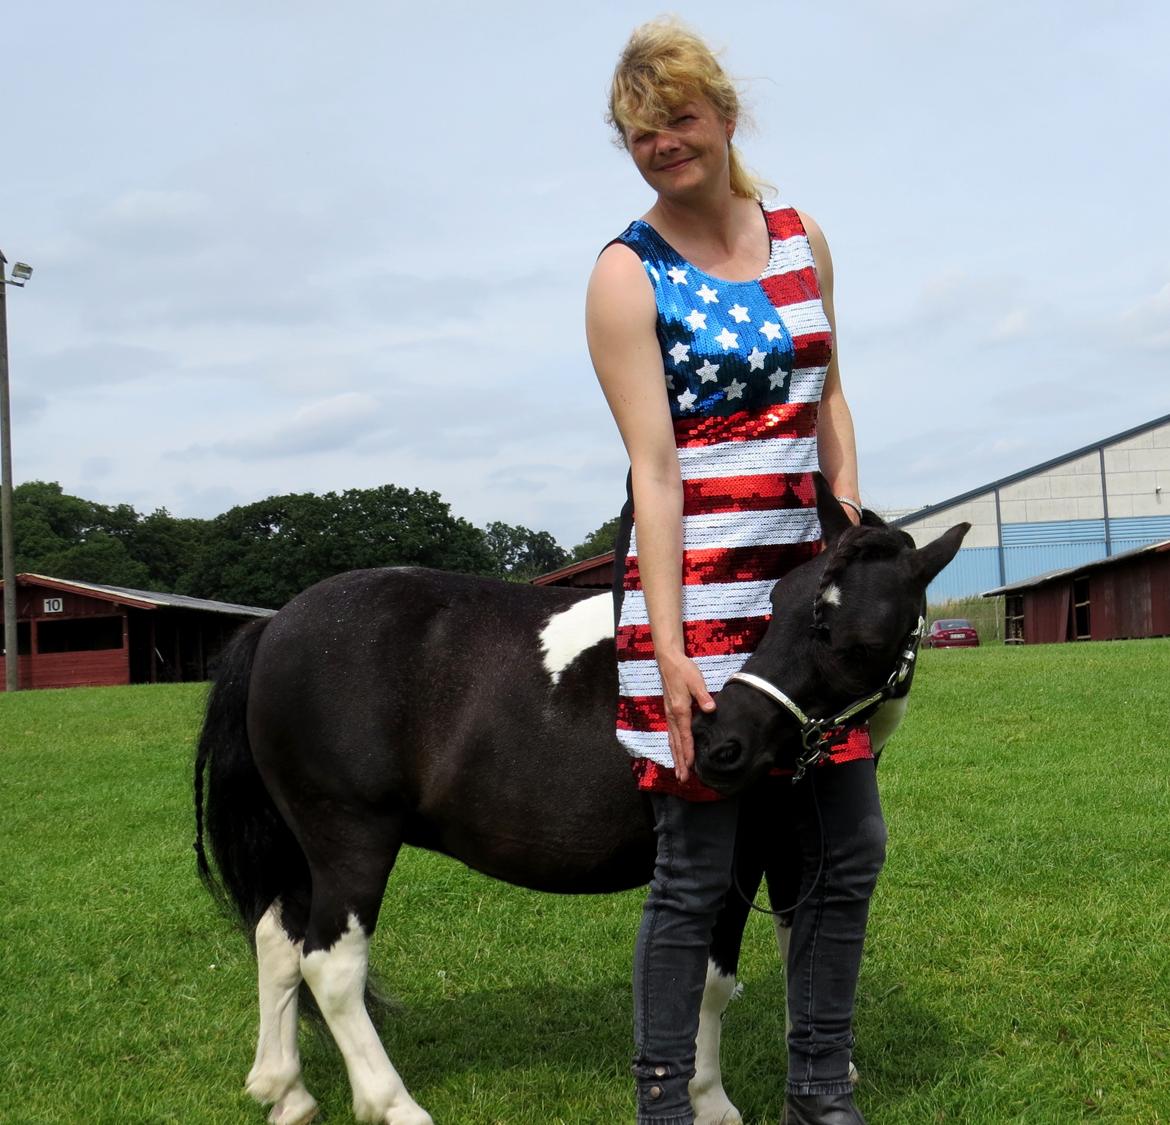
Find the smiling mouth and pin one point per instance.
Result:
(676, 164)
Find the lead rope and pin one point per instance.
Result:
(816, 879)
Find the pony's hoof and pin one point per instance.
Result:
(716, 1111)
(269, 1083)
(854, 1073)
(297, 1107)
(730, 1116)
(408, 1115)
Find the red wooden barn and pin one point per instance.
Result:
(1126, 595)
(71, 634)
(594, 574)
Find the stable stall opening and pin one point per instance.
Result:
(1013, 619)
(1081, 626)
(80, 634)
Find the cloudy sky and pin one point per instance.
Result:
(283, 246)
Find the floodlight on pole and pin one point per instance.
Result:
(21, 272)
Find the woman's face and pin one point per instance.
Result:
(689, 151)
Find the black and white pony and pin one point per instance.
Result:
(476, 718)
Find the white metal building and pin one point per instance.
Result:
(1092, 503)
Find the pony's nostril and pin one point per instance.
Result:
(726, 753)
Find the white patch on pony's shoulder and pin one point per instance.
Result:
(832, 594)
(575, 630)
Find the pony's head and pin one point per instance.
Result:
(842, 626)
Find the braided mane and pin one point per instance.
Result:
(853, 544)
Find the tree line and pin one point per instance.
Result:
(264, 553)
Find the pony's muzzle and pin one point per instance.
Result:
(720, 759)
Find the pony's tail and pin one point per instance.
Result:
(256, 857)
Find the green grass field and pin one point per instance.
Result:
(1018, 962)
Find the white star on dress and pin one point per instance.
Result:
(708, 371)
(653, 271)
(776, 379)
(679, 277)
(735, 389)
(670, 380)
(696, 320)
(680, 353)
(741, 315)
(710, 296)
(771, 330)
(756, 360)
(687, 399)
(729, 340)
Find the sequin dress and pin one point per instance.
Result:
(745, 362)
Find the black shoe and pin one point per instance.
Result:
(821, 1109)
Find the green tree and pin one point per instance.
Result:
(68, 537)
(101, 558)
(520, 553)
(597, 542)
(46, 521)
(169, 548)
(267, 552)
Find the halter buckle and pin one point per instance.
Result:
(814, 736)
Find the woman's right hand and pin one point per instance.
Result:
(682, 687)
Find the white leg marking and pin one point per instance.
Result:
(337, 977)
(573, 631)
(784, 941)
(885, 720)
(708, 1099)
(276, 1074)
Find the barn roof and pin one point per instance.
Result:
(141, 599)
(557, 577)
(1096, 564)
(1023, 474)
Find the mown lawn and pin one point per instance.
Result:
(1018, 965)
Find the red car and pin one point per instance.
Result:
(951, 632)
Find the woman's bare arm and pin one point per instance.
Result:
(620, 318)
(836, 443)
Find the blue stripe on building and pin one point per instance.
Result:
(1030, 549)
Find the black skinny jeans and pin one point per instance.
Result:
(693, 872)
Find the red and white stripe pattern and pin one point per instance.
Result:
(749, 506)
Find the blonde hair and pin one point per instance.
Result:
(665, 64)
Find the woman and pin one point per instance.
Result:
(710, 327)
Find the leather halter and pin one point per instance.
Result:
(816, 734)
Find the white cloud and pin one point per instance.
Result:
(317, 427)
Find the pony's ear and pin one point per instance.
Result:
(935, 555)
(871, 519)
(829, 511)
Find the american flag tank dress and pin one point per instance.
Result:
(744, 364)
